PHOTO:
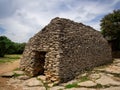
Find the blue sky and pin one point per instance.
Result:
(21, 19)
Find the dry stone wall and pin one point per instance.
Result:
(69, 49)
(44, 41)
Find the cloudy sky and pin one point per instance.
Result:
(21, 19)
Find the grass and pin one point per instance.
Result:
(17, 75)
(71, 85)
(16, 69)
(98, 86)
(45, 84)
(10, 58)
(84, 78)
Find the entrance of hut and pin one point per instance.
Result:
(40, 57)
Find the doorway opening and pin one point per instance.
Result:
(40, 61)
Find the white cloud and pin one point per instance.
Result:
(15, 30)
(30, 16)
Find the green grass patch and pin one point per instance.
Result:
(9, 58)
(17, 75)
(60, 89)
(84, 78)
(45, 84)
(71, 85)
(100, 86)
(13, 56)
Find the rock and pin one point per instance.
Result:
(57, 88)
(70, 82)
(51, 84)
(33, 82)
(34, 88)
(79, 89)
(19, 72)
(106, 80)
(13, 81)
(53, 78)
(87, 84)
(84, 74)
(94, 76)
(118, 64)
(8, 74)
(42, 77)
(24, 77)
(116, 61)
(112, 88)
(113, 69)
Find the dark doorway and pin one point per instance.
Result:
(40, 61)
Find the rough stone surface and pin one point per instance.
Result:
(111, 88)
(23, 77)
(80, 89)
(105, 80)
(19, 72)
(63, 49)
(33, 82)
(7, 74)
(113, 69)
(94, 76)
(41, 77)
(69, 82)
(87, 84)
(57, 88)
(34, 88)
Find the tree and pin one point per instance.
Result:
(5, 43)
(19, 48)
(110, 27)
(9, 47)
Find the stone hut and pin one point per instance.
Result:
(63, 49)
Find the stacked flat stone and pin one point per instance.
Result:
(70, 48)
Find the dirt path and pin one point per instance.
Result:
(7, 67)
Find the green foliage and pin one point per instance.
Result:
(84, 78)
(16, 48)
(110, 26)
(45, 84)
(71, 85)
(5, 44)
(99, 86)
(16, 69)
(9, 58)
(17, 75)
(9, 47)
(13, 56)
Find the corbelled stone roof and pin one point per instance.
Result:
(63, 49)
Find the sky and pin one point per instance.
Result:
(21, 19)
